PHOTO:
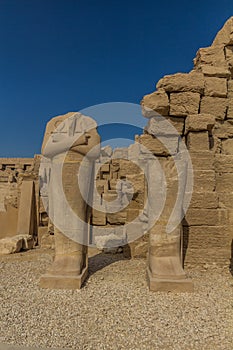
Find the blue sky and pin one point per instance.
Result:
(67, 55)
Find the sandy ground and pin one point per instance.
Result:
(114, 309)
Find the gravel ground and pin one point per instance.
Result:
(114, 310)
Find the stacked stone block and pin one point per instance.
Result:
(202, 99)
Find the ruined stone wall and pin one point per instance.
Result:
(200, 106)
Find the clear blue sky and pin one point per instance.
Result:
(66, 55)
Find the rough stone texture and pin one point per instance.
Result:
(184, 103)
(157, 101)
(198, 141)
(214, 105)
(216, 87)
(178, 82)
(199, 122)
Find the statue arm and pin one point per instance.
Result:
(91, 147)
(51, 148)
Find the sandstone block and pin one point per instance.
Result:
(102, 185)
(199, 122)
(98, 217)
(224, 163)
(204, 180)
(218, 72)
(224, 182)
(216, 87)
(132, 214)
(109, 243)
(165, 145)
(225, 35)
(225, 200)
(223, 129)
(204, 200)
(182, 82)
(216, 106)
(216, 238)
(106, 151)
(227, 146)
(230, 105)
(117, 218)
(184, 103)
(134, 151)
(198, 141)
(211, 56)
(11, 245)
(165, 126)
(206, 217)
(105, 168)
(120, 153)
(157, 101)
(202, 160)
(128, 167)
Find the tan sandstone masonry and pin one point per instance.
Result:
(202, 103)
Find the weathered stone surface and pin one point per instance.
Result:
(184, 103)
(157, 101)
(216, 238)
(204, 180)
(223, 129)
(204, 200)
(128, 167)
(132, 214)
(11, 245)
(118, 218)
(102, 185)
(182, 82)
(227, 146)
(206, 217)
(120, 153)
(47, 241)
(225, 35)
(165, 126)
(98, 217)
(199, 122)
(230, 105)
(224, 163)
(218, 72)
(216, 106)
(215, 87)
(212, 56)
(109, 243)
(202, 160)
(224, 182)
(165, 145)
(106, 151)
(198, 141)
(225, 200)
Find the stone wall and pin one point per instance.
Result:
(199, 105)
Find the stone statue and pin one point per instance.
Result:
(71, 141)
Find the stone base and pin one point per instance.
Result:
(62, 281)
(169, 285)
